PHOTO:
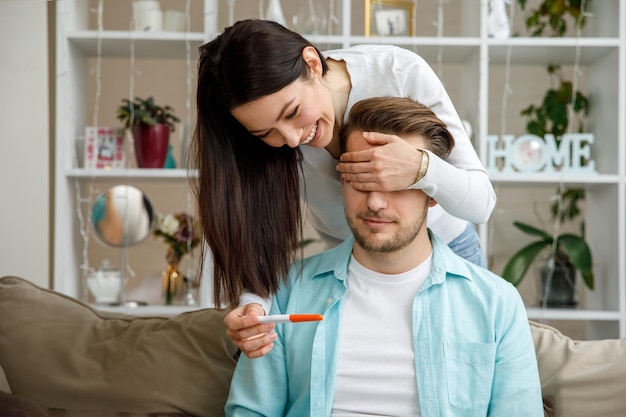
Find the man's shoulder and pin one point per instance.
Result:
(456, 265)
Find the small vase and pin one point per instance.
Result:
(173, 284)
(557, 282)
(151, 145)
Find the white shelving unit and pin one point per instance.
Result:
(467, 60)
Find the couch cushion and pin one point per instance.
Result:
(586, 378)
(16, 406)
(4, 384)
(63, 354)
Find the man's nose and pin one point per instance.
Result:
(376, 200)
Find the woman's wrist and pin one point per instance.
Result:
(423, 169)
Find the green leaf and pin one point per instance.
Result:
(142, 111)
(516, 267)
(579, 253)
(528, 229)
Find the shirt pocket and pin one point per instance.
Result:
(469, 374)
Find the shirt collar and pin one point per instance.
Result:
(445, 262)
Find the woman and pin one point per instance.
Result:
(261, 87)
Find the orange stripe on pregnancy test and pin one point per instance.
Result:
(290, 318)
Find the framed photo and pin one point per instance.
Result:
(389, 18)
(104, 147)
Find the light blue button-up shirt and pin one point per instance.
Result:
(474, 354)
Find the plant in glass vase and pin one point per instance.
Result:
(181, 232)
(559, 259)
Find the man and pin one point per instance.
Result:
(409, 328)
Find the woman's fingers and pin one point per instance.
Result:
(258, 346)
(252, 338)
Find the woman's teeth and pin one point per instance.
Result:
(311, 136)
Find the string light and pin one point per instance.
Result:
(559, 196)
(414, 17)
(195, 283)
(332, 17)
(439, 26)
(96, 107)
(83, 204)
(231, 11)
(506, 92)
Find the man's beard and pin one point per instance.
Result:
(398, 241)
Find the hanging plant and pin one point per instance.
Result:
(552, 115)
(552, 15)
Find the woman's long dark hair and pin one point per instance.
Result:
(248, 192)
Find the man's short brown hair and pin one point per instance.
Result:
(398, 116)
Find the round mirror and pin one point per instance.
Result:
(122, 216)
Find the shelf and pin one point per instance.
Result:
(131, 174)
(146, 44)
(147, 311)
(533, 313)
(571, 314)
(524, 179)
(533, 51)
(454, 50)
(474, 72)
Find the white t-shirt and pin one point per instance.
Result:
(376, 364)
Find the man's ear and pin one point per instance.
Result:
(313, 60)
(432, 202)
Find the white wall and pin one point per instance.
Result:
(24, 142)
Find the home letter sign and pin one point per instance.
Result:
(532, 154)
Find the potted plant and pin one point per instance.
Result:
(568, 253)
(552, 14)
(151, 125)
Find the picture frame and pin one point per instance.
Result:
(104, 147)
(389, 18)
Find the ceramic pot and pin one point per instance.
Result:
(151, 145)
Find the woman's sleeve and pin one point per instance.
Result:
(249, 298)
(460, 183)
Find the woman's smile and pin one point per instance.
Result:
(312, 135)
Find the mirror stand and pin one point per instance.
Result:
(121, 217)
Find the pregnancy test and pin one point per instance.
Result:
(290, 318)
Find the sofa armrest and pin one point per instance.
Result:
(585, 377)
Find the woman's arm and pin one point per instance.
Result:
(460, 184)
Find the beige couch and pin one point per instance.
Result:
(62, 358)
